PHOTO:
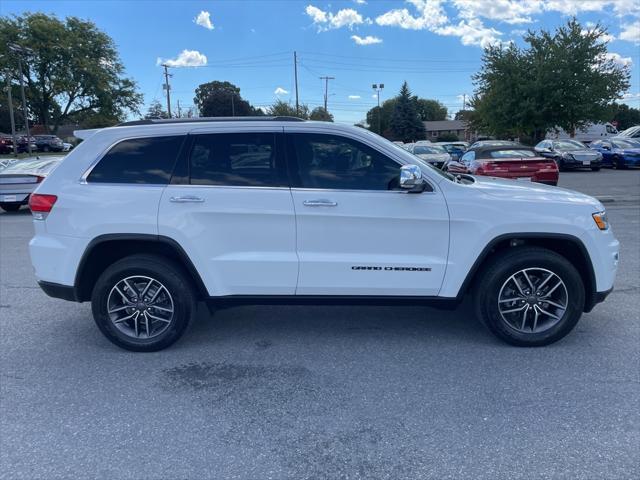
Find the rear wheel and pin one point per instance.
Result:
(530, 296)
(618, 163)
(143, 303)
(10, 207)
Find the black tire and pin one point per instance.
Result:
(46, 148)
(173, 278)
(618, 163)
(10, 207)
(501, 267)
(561, 165)
(595, 169)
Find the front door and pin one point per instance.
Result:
(357, 232)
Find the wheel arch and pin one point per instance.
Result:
(106, 249)
(569, 246)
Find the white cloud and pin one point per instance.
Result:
(361, 2)
(280, 91)
(619, 59)
(508, 11)
(471, 32)
(630, 32)
(204, 20)
(630, 96)
(187, 58)
(354, 97)
(347, 17)
(374, 95)
(430, 14)
(606, 37)
(368, 40)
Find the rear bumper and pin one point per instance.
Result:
(55, 290)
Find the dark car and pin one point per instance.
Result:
(6, 143)
(49, 143)
(506, 161)
(618, 152)
(24, 143)
(570, 154)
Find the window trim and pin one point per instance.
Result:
(92, 165)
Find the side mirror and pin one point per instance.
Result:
(606, 147)
(411, 179)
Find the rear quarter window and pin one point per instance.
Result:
(147, 160)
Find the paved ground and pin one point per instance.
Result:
(322, 392)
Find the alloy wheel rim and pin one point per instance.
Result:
(140, 307)
(533, 300)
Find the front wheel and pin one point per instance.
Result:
(530, 296)
(143, 303)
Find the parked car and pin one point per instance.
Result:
(632, 132)
(454, 149)
(436, 155)
(515, 162)
(24, 142)
(492, 143)
(6, 143)
(66, 147)
(20, 178)
(570, 154)
(167, 213)
(588, 134)
(618, 152)
(49, 143)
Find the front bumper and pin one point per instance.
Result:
(55, 290)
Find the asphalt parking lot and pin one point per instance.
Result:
(322, 392)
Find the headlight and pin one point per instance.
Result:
(601, 220)
(567, 155)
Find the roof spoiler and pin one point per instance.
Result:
(84, 134)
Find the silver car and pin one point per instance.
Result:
(19, 178)
(436, 155)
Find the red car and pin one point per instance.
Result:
(506, 161)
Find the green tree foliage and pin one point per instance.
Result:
(71, 69)
(430, 110)
(624, 115)
(155, 110)
(405, 124)
(320, 114)
(464, 115)
(562, 79)
(284, 109)
(222, 99)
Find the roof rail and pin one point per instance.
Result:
(160, 121)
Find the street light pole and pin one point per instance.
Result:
(20, 51)
(377, 87)
(11, 118)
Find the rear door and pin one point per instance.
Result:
(230, 208)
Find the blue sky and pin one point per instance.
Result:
(435, 45)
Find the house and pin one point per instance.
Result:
(438, 128)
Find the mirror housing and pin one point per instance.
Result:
(411, 179)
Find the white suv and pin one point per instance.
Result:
(147, 218)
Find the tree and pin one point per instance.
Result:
(624, 116)
(464, 115)
(429, 110)
(222, 99)
(284, 109)
(564, 79)
(156, 111)
(320, 114)
(405, 124)
(70, 68)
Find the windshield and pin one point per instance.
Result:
(625, 144)
(426, 150)
(568, 145)
(512, 153)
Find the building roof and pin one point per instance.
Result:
(439, 125)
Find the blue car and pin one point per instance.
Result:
(618, 152)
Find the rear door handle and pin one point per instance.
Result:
(320, 203)
(187, 199)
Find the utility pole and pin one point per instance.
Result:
(20, 51)
(326, 89)
(295, 74)
(464, 101)
(377, 87)
(179, 112)
(233, 105)
(13, 122)
(167, 87)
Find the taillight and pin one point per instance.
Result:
(39, 179)
(41, 204)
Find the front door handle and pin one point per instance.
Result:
(320, 203)
(187, 199)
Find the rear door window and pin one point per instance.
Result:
(147, 160)
(236, 159)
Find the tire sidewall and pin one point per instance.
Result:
(178, 287)
(554, 263)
